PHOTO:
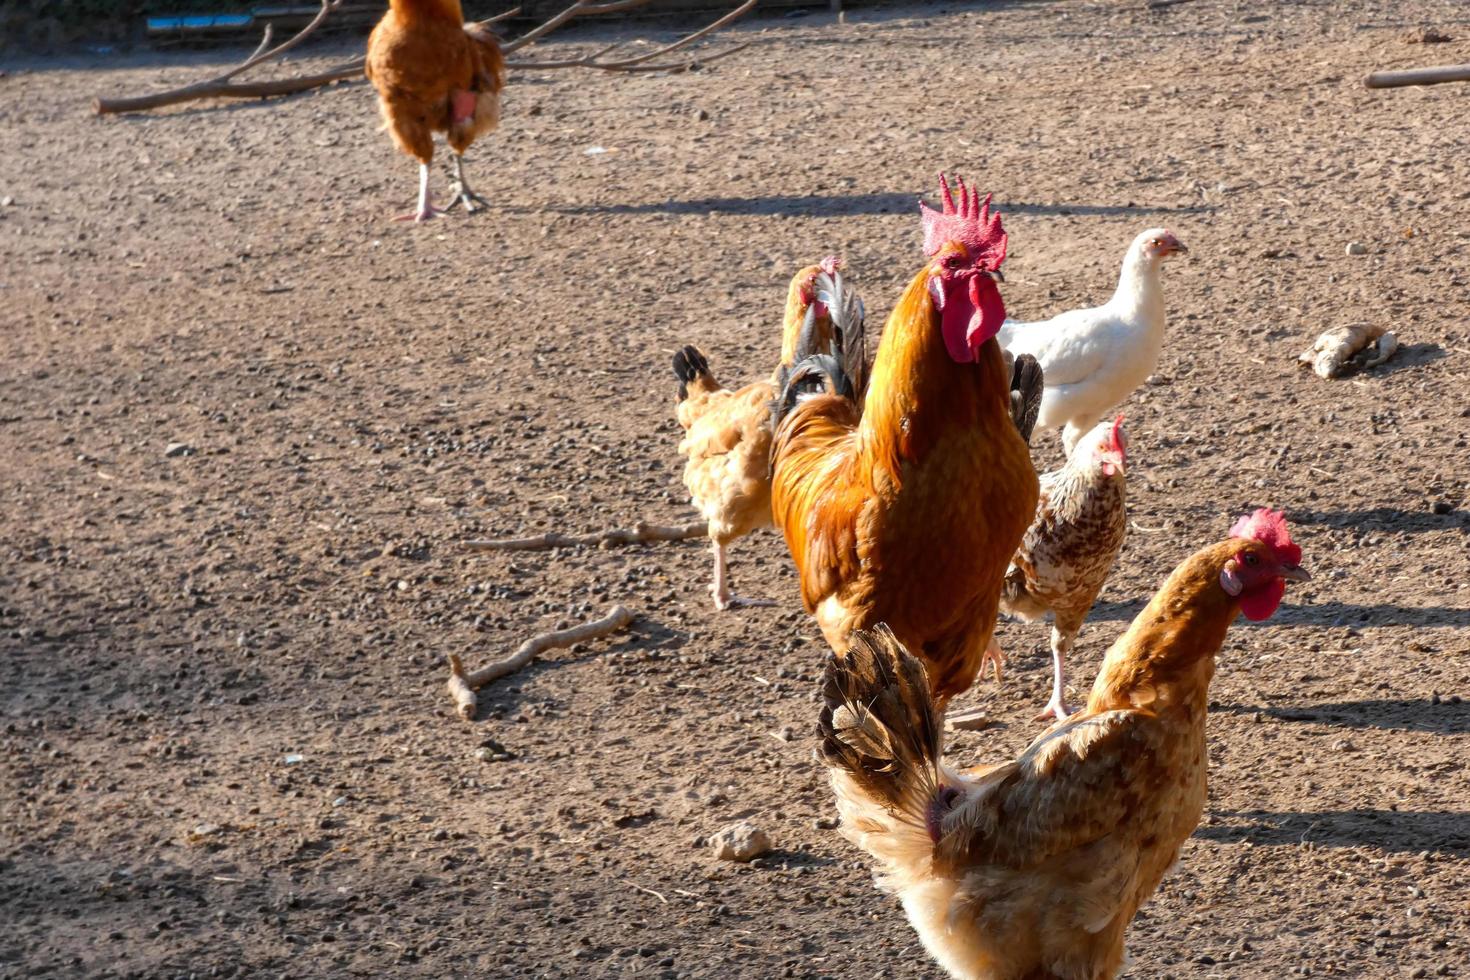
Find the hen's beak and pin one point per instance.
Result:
(995, 274)
(1295, 573)
(1178, 248)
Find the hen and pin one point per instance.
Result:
(906, 506)
(1070, 547)
(727, 441)
(435, 74)
(1033, 869)
(1095, 358)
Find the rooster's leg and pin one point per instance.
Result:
(461, 193)
(426, 209)
(724, 598)
(1061, 644)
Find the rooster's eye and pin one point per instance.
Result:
(951, 261)
(1251, 559)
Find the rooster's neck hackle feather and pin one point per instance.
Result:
(917, 391)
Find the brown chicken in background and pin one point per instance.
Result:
(905, 507)
(435, 74)
(1070, 547)
(1033, 869)
(727, 442)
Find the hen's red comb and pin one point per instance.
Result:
(971, 224)
(1269, 527)
(1117, 438)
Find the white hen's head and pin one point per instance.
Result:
(1158, 244)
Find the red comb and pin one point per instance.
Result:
(1117, 439)
(971, 224)
(1269, 527)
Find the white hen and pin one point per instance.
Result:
(1093, 359)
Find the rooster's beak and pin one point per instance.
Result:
(1295, 573)
(994, 274)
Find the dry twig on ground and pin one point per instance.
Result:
(221, 86)
(463, 684)
(638, 534)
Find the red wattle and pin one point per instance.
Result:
(1259, 604)
(991, 310)
(954, 325)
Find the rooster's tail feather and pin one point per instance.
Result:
(819, 374)
(1027, 387)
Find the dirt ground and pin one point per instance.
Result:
(227, 746)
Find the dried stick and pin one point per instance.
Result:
(463, 685)
(1418, 76)
(628, 63)
(638, 534)
(220, 84)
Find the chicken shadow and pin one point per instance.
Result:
(1385, 519)
(1387, 830)
(1316, 614)
(1394, 714)
(834, 205)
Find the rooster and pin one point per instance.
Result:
(1070, 547)
(727, 441)
(1035, 868)
(1095, 358)
(435, 74)
(905, 506)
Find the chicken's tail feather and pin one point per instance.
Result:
(691, 367)
(1027, 387)
(881, 738)
(845, 307)
(818, 374)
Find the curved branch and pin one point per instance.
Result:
(327, 7)
(575, 10)
(463, 684)
(228, 90)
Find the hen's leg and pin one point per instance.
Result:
(1061, 645)
(426, 209)
(461, 193)
(994, 656)
(724, 598)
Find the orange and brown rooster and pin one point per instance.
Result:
(727, 441)
(1033, 869)
(906, 508)
(435, 74)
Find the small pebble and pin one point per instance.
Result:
(1357, 248)
(178, 449)
(740, 842)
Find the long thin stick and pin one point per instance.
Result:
(1418, 76)
(638, 534)
(216, 89)
(462, 685)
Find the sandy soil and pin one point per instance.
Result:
(227, 749)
